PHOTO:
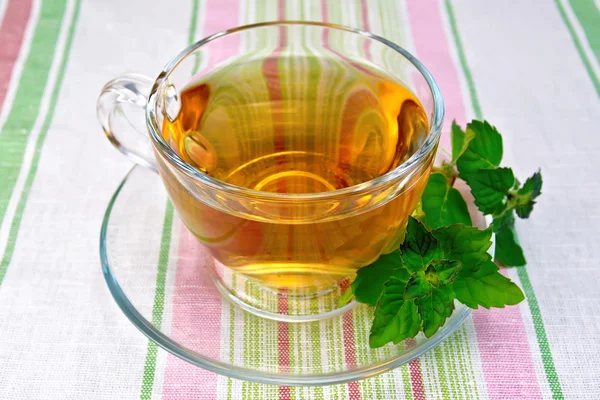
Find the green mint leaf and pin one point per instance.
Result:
(525, 210)
(460, 140)
(526, 195)
(395, 319)
(533, 185)
(503, 221)
(417, 286)
(443, 205)
(508, 252)
(490, 187)
(446, 270)
(431, 275)
(435, 308)
(369, 280)
(487, 288)
(484, 151)
(417, 214)
(419, 247)
(468, 245)
(345, 297)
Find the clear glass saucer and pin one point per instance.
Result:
(162, 280)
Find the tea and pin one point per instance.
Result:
(294, 125)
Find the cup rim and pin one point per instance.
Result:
(174, 159)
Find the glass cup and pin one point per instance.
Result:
(271, 244)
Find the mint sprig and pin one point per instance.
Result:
(442, 258)
(476, 156)
(422, 280)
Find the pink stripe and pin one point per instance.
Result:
(196, 302)
(503, 344)
(283, 337)
(283, 333)
(196, 322)
(501, 333)
(350, 352)
(416, 378)
(285, 393)
(432, 49)
(349, 345)
(12, 32)
(366, 27)
(283, 347)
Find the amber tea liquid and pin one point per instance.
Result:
(296, 125)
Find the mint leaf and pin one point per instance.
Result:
(505, 220)
(435, 308)
(465, 244)
(419, 247)
(508, 251)
(524, 210)
(345, 297)
(532, 185)
(417, 286)
(395, 319)
(526, 195)
(487, 288)
(417, 214)
(460, 140)
(446, 270)
(490, 187)
(484, 151)
(443, 205)
(368, 285)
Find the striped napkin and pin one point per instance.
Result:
(530, 67)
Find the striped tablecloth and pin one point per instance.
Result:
(529, 66)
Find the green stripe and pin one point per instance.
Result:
(540, 332)
(159, 302)
(38, 78)
(161, 274)
(452, 356)
(547, 360)
(332, 329)
(589, 18)
(441, 370)
(192, 34)
(28, 98)
(579, 47)
(408, 394)
(247, 342)
(459, 365)
(231, 337)
(463, 60)
(464, 339)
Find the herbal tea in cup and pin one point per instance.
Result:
(296, 165)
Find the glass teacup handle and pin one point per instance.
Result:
(121, 112)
